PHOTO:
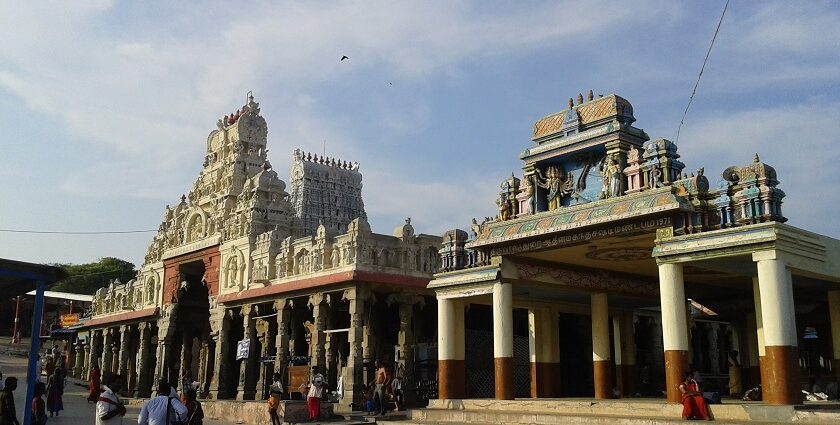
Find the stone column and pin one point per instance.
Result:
(601, 362)
(751, 354)
(780, 343)
(164, 349)
(220, 319)
(319, 316)
(88, 357)
(544, 349)
(282, 340)
(834, 317)
(503, 339)
(353, 372)
(713, 336)
(107, 353)
(262, 328)
(451, 367)
(125, 339)
(80, 361)
(405, 341)
(243, 392)
(115, 353)
(330, 340)
(144, 352)
(625, 348)
(674, 327)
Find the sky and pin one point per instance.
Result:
(105, 106)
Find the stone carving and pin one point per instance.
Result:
(612, 178)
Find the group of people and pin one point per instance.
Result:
(165, 409)
(383, 386)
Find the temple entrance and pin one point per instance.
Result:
(192, 322)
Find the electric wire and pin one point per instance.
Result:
(702, 68)
(59, 232)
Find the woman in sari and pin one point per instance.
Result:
(694, 405)
(55, 389)
(94, 381)
(275, 394)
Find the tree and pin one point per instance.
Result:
(87, 278)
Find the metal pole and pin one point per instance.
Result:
(16, 331)
(32, 369)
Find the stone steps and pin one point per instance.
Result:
(589, 412)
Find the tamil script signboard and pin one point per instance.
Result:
(68, 320)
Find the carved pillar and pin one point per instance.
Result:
(125, 340)
(80, 360)
(714, 350)
(107, 353)
(262, 328)
(164, 350)
(185, 369)
(282, 340)
(144, 352)
(353, 378)
(406, 340)
(93, 350)
(245, 391)
(316, 346)
(331, 341)
(220, 324)
(115, 353)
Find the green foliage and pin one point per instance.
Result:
(87, 278)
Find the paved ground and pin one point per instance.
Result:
(77, 411)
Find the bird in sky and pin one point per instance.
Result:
(344, 57)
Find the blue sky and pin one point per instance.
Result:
(105, 106)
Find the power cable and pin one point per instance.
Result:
(702, 68)
(47, 232)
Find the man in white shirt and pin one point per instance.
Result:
(316, 391)
(109, 408)
(154, 412)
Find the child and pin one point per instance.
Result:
(39, 408)
(370, 405)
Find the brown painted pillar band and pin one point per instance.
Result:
(545, 380)
(451, 379)
(676, 365)
(603, 378)
(782, 369)
(504, 378)
(535, 380)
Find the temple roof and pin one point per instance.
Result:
(588, 112)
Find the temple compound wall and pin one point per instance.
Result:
(243, 280)
(608, 271)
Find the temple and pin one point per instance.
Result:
(609, 271)
(244, 279)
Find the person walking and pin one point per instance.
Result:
(381, 381)
(275, 395)
(94, 384)
(39, 410)
(8, 414)
(55, 390)
(396, 390)
(316, 391)
(163, 409)
(195, 414)
(109, 409)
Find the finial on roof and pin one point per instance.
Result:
(571, 103)
(183, 199)
(590, 96)
(580, 98)
(756, 160)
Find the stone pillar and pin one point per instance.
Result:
(451, 367)
(125, 340)
(107, 353)
(713, 336)
(80, 361)
(781, 356)
(319, 317)
(625, 348)
(93, 350)
(244, 392)
(282, 340)
(263, 337)
(751, 354)
(185, 365)
(503, 339)
(544, 349)
(144, 352)
(406, 340)
(674, 327)
(115, 353)
(759, 332)
(601, 362)
(353, 372)
(220, 319)
(834, 316)
(330, 340)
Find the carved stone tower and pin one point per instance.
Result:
(326, 191)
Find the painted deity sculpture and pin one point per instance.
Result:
(611, 174)
(557, 186)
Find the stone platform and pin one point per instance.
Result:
(610, 412)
